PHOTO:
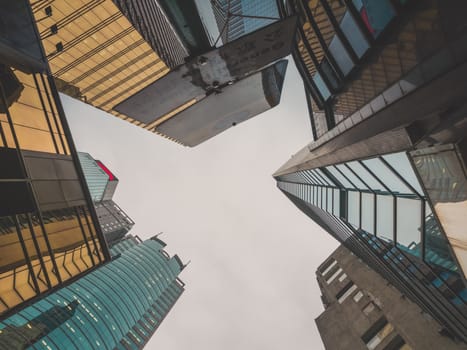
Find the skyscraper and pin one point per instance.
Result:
(96, 52)
(102, 183)
(364, 311)
(49, 229)
(385, 174)
(236, 18)
(118, 306)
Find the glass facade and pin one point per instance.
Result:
(118, 306)
(93, 47)
(235, 26)
(48, 231)
(96, 178)
(378, 208)
(339, 40)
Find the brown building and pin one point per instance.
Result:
(364, 311)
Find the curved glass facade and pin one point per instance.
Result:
(118, 306)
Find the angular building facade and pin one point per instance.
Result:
(236, 18)
(118, 306)
(50, 235)
(364, 311)
(102, 183)
(104, 51)
(386, 172)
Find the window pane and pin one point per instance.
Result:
(375, 14)
(436, 246)
(354, 35)
(408, 225)
(339, 177)
(354, 208)
(369, 179)
(384, 217)
(341, 55)
(337, 197)
(321, 85)
(386, 176)
(351, 176)
(401, 164)
(368, 212)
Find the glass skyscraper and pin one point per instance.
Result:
(49, 233)
(385, 174)
(118, 306)
(236, 18)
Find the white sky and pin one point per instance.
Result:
(251, 282)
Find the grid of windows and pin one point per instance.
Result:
(118, 306)
(117, 62)
(47, 230)
(47, 235)
(336, 38)
(377, 208)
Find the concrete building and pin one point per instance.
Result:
(118, 306)
(386, 174)
(364, 311)
(50, 234)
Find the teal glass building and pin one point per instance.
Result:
(236, 18)
(118, 306)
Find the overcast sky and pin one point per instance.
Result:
(251, 282)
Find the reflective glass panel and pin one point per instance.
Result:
(324, 176)
(351, 176)
(353, 200)
(401, 164)
(336, 209)
(321, 85)
(369, 179)
(354, 35)
(386, 176)
(368, 212)
(437, 252)
(409, 225)
(339, 177)
(384, 217)
(341, 55)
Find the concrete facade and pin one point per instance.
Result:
(345, 323)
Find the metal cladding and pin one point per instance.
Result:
(235, 104)
(209, 73)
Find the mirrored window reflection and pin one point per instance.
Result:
(353, 210)
(368, 212)
(15, 277)
(339, 177)
(354, 35)
(341, 56)
(321, 85)
(409, 225)
(34, 125)
(400, 162)
(385, 217)
(437, 252)
(386, 176)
